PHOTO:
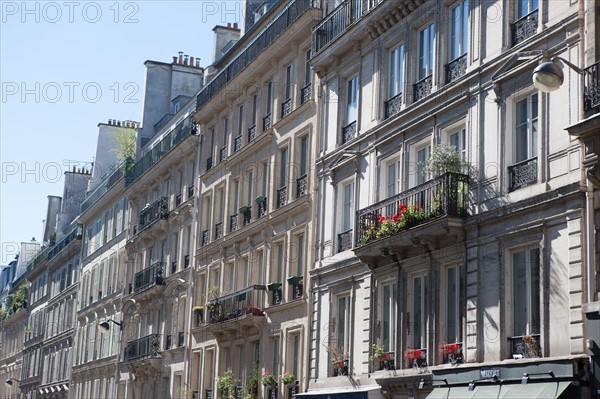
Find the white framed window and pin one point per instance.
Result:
(303, 155)
(452, 331)
(352, 100)
(341, 323)
(388, 311)
(526, 128)
(525, 291)
(307, 69)
(289, 70)
(269, 99)
(283, 167)
(346, 201)
(240, 119)
(275, 356)
(459, 29)
(390, 176)
(425, 51)
(396, 74)
(235, 194)
(418, 291)
(524, 7)
(420, 156)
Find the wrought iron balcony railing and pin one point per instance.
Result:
(107, 182)
(248, 301)
(339, 20)
(286, 108)
(457, 68)
(522, 174)
(74, 235)
(170, 140)
(222, 154)
(276, 293)
(218, 230)
(208, 393)
(348, 132)
(262, 206)
(301, 185)
(251, 133)
(446, 195)
(246, 212)
(524, 27)
(233, 222)
(237, 144)
(205, 237)
(393, 105)
(345, 240)
(277, 25)
(526, 346)
(148, 346)
(266, 122)
(281, 196)
(305, 93)
(591, 87)
(423, 88)
(159, 209)
(149, 277)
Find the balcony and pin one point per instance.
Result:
(338, 21)
(241, 307)
(233, 222)
(525, 346)
(151, 213)
(281, 196)
(301, 184)
(456, 68)
(444, 198)
(522, 174)
(524, 27)
(276, 293)
(160, 150)
(393, 105)
(345, 240)
(271, 32)
(107, 182)
(261, 202)
(305, 93)
(237, 144)
(74, 235)
(246, 212)
(146, 347)
(218, 230)
(591, 87)
(149, 277)
(223, 154)
(286, 108)
(348, 132)
(251, 133)
(423, 88)
(267, 122)
(208, 394)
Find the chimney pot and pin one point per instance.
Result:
(180, 57)
(235, 25)
(191, 61)
(229, 24)
(174, 59)
(74, 169)
(198, 62)
(185, 59)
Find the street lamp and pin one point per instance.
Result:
(548, 76)
(105, 326)
(9, 382)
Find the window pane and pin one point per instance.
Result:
(391, 178)
(452, 319)
(520, 308)
(534, 261)
(347, 207)
(417, 312)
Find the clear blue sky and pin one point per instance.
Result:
(67, 66)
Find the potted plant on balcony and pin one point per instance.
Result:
(339, 356)
(379, 353)
(294, 280)
(268, 379)
(274, 286)
(531, 346)
(288, 378)
(226, 385)
(244, 209)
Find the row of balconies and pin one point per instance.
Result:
(245, 215)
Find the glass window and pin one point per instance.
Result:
(525, 7)
(526, 128)
(283, 172)
(275, 359)
(459, 27)
(419, 311)
(526, 292)
(422, 156)
(269, 103)
(240, 120)
(453, 325)
(388, 317)
(342, 324)
(352, 100)
(300, 256)
(426, 36)
(307, 70)
(347, 206)
(396, 71)
(288, 82)
(304, 155)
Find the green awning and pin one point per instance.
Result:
(542, 390)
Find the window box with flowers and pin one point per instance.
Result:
(452, 353)
(385, 226)
(417, 358)
(288, 378)
(268, 379)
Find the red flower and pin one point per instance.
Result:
(402, 208)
